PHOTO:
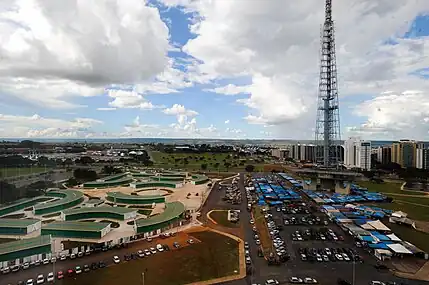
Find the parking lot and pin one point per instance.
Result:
(310, 248)
(70, 267)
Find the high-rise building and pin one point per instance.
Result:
(383, 154)
(304, 152)
(422, 156)
(357, 153)
(280, 153)
(404, 153)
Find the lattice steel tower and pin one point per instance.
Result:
(328, 114)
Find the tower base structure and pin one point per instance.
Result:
(329, 180)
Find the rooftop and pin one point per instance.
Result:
(24, 244)
(22, 201)
(172, 210)
(67, 196)
(116, 210)
(120, 195)
(76, 226)
(17, 223)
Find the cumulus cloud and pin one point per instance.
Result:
(229, 89)
(129, 99)
(227, 122)
(179, 110)
(77, 47)
(13, 126)
(278, 48)
(392, 115)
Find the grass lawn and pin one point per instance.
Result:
(387, 187)
(11, 172)
(221, 217)
(414, 212)
(261, 226)
(409, 234)
(216, 256)
(175, 160)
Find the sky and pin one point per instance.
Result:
(209, 69)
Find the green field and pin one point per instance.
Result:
(176, 160)
(216, 256)
(11, 172)
(387, 187)
(221, 217)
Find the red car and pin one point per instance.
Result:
(70, 272)
(60, 275)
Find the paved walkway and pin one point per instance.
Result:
(242, 266)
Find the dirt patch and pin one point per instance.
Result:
(422, 226)
(221, 218)
(261, 226)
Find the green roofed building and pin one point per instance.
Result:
(138, 185)
(173, 212)
(125, 181)
(167, 178)
(80, 230)
(102, 212)
(198, 179)
(25, 248)
(113, 177)
(19, 226)
(121, 198)
(21, 204)
(69, 198)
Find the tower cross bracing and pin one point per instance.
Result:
(327, 132)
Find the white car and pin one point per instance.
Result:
(295, 280)
(40, 279)
(252, 222)
(30, 282)
(152, 250)
(78, 270)
(50, 277)
(25, 265)
(116, 259)
(45, 261)
(53, 259)
(159, 247)
(308, 280)
(63, 257)
(272, 282)
(377, 283)
(147, 252)
(140, 253)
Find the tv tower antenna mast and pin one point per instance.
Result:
(327, 134)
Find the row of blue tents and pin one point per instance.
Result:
(291, 180)
(271, 193)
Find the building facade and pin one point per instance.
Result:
(404, 153)
(357, 153)
(422, 156)
(280, 153)
(383, 154)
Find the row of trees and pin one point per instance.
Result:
(10, 193)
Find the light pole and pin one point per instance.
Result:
(143, 278)
(354, 268)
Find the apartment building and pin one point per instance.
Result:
(357, 153)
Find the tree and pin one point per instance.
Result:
(84, 174)
(204, 166)
(227, 165)
(216, 165)
(85, 160)
(250, 168)
(72, 182)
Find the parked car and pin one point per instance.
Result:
(78, 270)
(116, 259)
(60, 275)
(40, 279)
(50, 277)
(30, 282)
(140, 253)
